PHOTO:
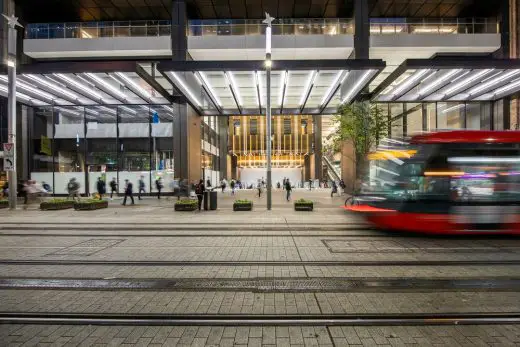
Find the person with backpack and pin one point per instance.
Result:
(141, 187)
(159, 186)
(73, 189)
(199, 191)
(101, 187)
(334, 189)
(129, 192)
(288, 189)
(113, 187)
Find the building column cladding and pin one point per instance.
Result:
(178, 32)
(223, 135)
(318, 146)
(512, 41)
(362, 30)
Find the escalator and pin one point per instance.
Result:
(333, 171)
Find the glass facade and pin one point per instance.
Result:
(210, 142)
(112, 142)
(407, 119)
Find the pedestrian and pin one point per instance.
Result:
(32, 191)
(101, 187)
(278, 186)
(141, 187)
(259, 186)
(73, 189)
(283, 183)
(208, 182)
(199, 191)
(342, 185)
(113, 187)
(5, 189)
(288, 189)
(232, 185)
(310, 184)
(223, 184)
(129, 192)
(334, 189)
(46, 187)
(159, 185)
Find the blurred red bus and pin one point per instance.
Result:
(454, 182)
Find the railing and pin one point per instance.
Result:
(94, 30)
(389, 26)
(334, 26)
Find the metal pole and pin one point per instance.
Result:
(268, 20)
(12, 22)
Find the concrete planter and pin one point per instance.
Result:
(90, 205)
(54, 206)
(303, 206)
(189, 205)
(243, 207)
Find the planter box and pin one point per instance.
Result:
(243, 207)
(4, 203)
(90, 205)
(187, 207)
(53, 206)
(304, 207)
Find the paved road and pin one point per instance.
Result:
(322, 268)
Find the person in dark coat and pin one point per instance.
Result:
(113, 187)
(288, 189)
(101, 187)
(159, 185)
(141, 187)
(129, 190)
(199, 190)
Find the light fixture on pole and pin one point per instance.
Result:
(12, 22)
(268, 64)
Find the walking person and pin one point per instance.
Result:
(310, 184)
(113, 187)
(283, 183)
(342, 186)
(101, 187)
(141, 187)
(159, 185)
(288, 189)
(334, 189)
(73, 189)
(223, 184)
(259, 186)
(199, 191)
(232, 185)
(129, 192)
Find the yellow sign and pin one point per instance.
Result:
(45, 145)
(386, 155)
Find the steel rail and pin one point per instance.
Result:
(261, 320)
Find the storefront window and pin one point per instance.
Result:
(396, 116)
(450, 115)
(41, 145)
(414, 119)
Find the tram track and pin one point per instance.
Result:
(481, 318)
(511, 262)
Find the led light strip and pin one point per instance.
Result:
(283, 86)
(27, 87)
(128, 80)
(260, 88)
(438, 82)
(18, 94)
(308, 86)
(106, 85)
(332, 87)
(128, 109)
(357, 86)
(256, 86)
(466, 81)
(407, 83)
(185, 87)
(508, 87)
(493, 81)
(232, 83)
(209, 87)
(52, 86)
(81, 86)
(453, 108)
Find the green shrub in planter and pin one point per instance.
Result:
(4, 203)
(242, 205)
(186, 205)
(303, 205)
(90, 204)
(56, 204)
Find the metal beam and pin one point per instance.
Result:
(141, 72)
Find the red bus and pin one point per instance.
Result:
(454, 182)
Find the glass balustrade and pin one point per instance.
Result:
(334, 26)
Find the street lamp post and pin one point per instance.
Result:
(12, 22)
(268, 20)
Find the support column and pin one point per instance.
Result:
(223, 135)
(318, 155)
(186, 143)
(179, 27)
(511, 40)
(362, 30)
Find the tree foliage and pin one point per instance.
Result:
(361, 123)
